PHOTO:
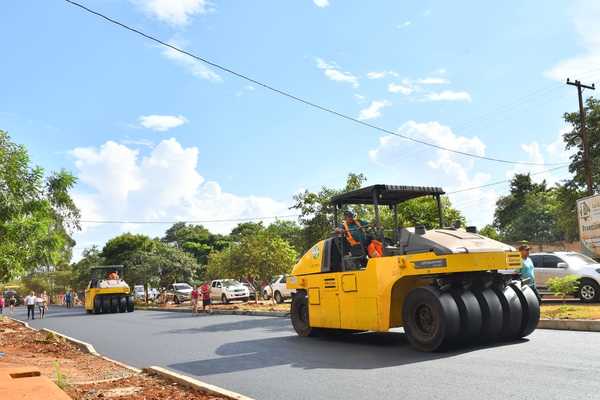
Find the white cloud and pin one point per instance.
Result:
(321, 3)
(405, 88)
(119, 183)
(405, 24)
(195, 67)
(174, 12)
(585, 16)
(557, 148)
(333, 72)
(161, 123)
(451, 170)
(433, 81)
(534, 155)
(360, 99)
(448, 95)
(373, 110)
(381, 74)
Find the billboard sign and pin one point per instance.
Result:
(588, 212)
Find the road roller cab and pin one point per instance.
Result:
(107, 291)
(443, 285)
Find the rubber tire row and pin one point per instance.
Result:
(104, 304)
(470, 316)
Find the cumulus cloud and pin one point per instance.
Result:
(373, 110)
(118, 182)
(405, 24)
(448, 95)
(321, 3)
(404, 88)
(193, 66)
(557, 148)
(584, 16)
(161, 123)
(173, 12)
(454, 172)
(433, 81)
(381, 74)
(333, 72)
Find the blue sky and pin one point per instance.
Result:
(154, 135)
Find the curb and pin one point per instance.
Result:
(583, 325)
(279, 314)
(194, 383)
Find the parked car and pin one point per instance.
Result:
(178, 293)
(558, 264)
(139, 293)
(251, 290)
(279, 289)
(226, 290)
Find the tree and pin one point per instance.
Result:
(573, 141)
(490, 232)
(91, 257)
(289, 231)
(37, 213)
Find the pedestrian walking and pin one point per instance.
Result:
(1, 304)
(12, 302)
(74, 299)
(205, 292)
(68, 299)
(45, 301)
(30, 303)
(39, 302)
(195, 295)
(527, 270)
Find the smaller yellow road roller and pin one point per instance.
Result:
(107, 292)
(445, 286)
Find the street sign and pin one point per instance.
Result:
(588, 212)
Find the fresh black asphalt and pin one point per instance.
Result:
(262, 357)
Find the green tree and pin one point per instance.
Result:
(37, 213)
(91, 257)
(289, 231)
(573, 141)
(490, 232)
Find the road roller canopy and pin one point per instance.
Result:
(101, 272)
(385, 194)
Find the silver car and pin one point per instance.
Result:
(562, 263)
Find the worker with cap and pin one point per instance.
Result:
(527, 269)
(354, 232)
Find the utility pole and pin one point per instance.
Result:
(584, 137)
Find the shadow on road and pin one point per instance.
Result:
(353, 351)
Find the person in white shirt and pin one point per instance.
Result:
(39, 302)
(30, 303)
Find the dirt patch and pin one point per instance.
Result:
(83, 376)
(571, 311)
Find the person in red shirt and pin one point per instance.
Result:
(205, 291)
(195, 300)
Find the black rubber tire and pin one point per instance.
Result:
(266, 295)
(586, 288)
(491, 314)
(176, 300)
(470, 314)
(300, 317)
(130, 303)
(105, 304)
(431, 318)
(123, 304)
(114, 304)
(97, 305)
(224, 299)
(244, 299)
(512, 313)
(531, 309)
(278, 297)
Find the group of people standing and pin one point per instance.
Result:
(41, 302)
(11, 302)
(201, 293)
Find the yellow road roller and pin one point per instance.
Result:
(446, 286)
(107, 292)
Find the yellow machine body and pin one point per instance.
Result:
(372, 298)
(91, 293)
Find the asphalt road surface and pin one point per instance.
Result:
(263, 358)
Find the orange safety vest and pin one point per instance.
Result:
(375, 249)
(348, 234)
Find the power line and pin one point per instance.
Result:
(505, 181)
(206, 221)
(294, 97)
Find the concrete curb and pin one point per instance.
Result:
(280, 314)
(584, 325)
(194, 383)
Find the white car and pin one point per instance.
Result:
(139, 293)
(226, 290)
(280, 290)
(562, 263)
